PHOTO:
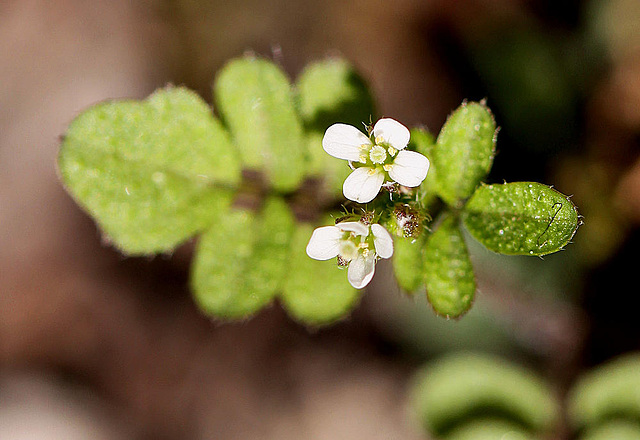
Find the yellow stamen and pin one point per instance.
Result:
(387, 167)
(392, 151)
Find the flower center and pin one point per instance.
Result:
(348, 250)
(353, 245)
(377, 154)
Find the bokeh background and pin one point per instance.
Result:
(96, 345)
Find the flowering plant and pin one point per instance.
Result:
(253, 181)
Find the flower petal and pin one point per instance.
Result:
(324, 243)
(382, 241)
(363, 184)
(409, 168)
(361, 271)
(343, 141)
(393, 133)
(357, 227)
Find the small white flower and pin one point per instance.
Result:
(382, 158)
(356, 245)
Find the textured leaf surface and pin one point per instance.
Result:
(149, 171)
(464, 152)
(330, 91)
(408, 262)
(241, 261)
(448, 274)
(608, 392)
(457, 388)
(315, 292)
(521, 218)
(256, 102)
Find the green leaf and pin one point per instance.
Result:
(464, 152)
(489, 429)
(315, 292)
(607, 392)
(457, 388)
(424, 143)
(521, 218)
(151, 173)
(448, 274)
(615, 429)
(240, 263)
(256, 102)
(408, 262)
(330, 91)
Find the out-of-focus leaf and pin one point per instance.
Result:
(241, 261)
(457, 388)
(607, 392)
(329, 92)
(521, 218)
(148, 171)
(255, 100)
(614, 430)
(315, 292)
(464, 152)
(489, 429)
(447, 270)
(331, 171)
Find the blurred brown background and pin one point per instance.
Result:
(96, 345)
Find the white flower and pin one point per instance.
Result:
(377, 160)
(356, 245)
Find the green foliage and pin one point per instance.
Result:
(330, 91)
(157, 172)
(240, 262)
(615, 429)
(408, 263)
(256, 102)
(489, 429)
(608, 392)
(475, 397)
(462, 388)
(522, 218)
(447, 270)
(464, 152)
(149, 172)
